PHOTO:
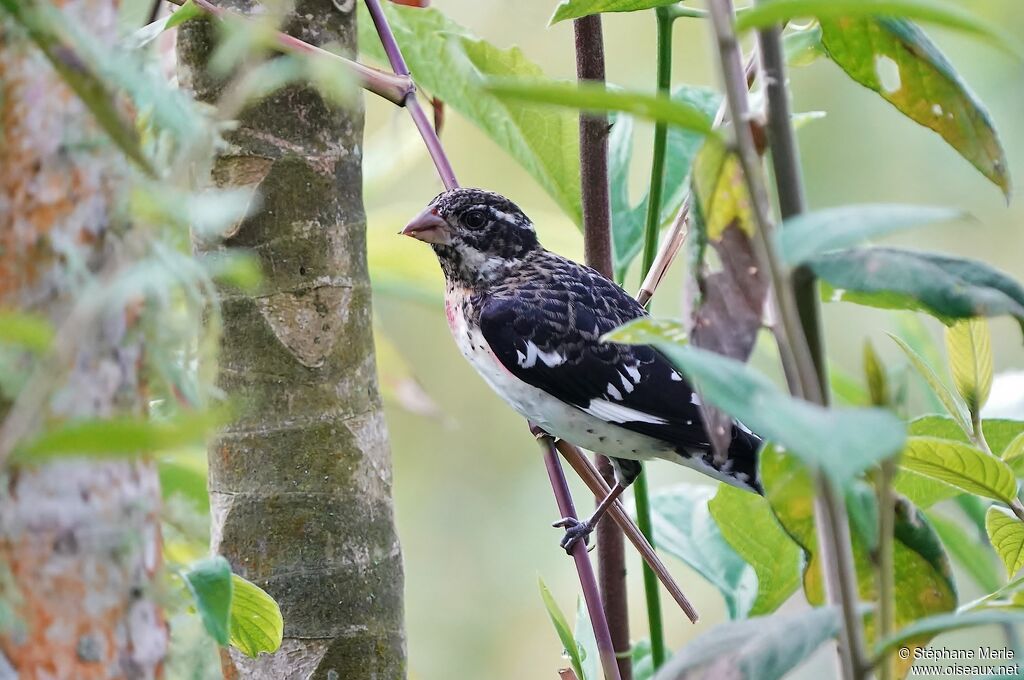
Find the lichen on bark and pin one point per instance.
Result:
(300, 482)
(79, 540)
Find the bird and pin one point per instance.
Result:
(531, 323)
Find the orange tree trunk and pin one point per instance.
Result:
(300, 484)
(79, 540)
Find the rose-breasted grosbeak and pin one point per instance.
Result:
(530, 322)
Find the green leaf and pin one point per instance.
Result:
(970, 357)
(1013, 454)
(877, 380)
(952, 405)
(590, 659)
(648, 330)
(118, 437)
(925, 583)
(597, 98)
(256, 624)
(968, 551)
(452, 64)
(933, 625)
(843, 442)
(960, 465)
(747, 524)
(183, 477)
(683, 527)
(574, 9)
(26, 330)
(897, 60)
(762, 648)
(62, 44)
(945, 287)
(643, 660)
(935, 12)
(187, 11)
(680, 148)
(209, 580)
(805, 236)
(921, 490)
(1007, 535)
(999, 432)
(803, 47)
(572, 648)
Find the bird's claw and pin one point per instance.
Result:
(574, 531)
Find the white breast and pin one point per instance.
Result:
(553, 415)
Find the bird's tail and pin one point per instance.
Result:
(743, 458)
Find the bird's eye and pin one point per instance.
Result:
(474, 219)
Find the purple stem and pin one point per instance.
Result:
(559, 486)
(398, 65)
(588, 582)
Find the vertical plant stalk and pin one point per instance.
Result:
(641, 494)
(559, 486)
(886, 561)
(597, 245)
(830, 513)
(591, 593)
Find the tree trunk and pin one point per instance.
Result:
(300, 483)
(79, 540)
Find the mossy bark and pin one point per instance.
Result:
(80, 546)
(300, 483)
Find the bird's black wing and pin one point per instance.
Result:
(545, 328)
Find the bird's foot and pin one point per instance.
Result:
(574, 531)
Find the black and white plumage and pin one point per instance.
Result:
(530, 322)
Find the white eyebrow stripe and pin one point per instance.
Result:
(617, 413)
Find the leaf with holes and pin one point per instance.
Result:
(948, 288)
(1007, 535)
(970, 357)
(960, 465)
(747, 524)
(452, 64)
(256, 623)
(574, 9)
(899, 61)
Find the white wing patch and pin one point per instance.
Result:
(617, 413)
(614, 393)
(529, 360)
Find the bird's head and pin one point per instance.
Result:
(476, 234)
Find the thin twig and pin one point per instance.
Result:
(588, 582)
(394, 88)
(592, 478)
(830, 513)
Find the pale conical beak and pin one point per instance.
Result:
(429, 228)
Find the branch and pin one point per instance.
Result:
(579, 554)
(394, 88)
(592, 478)
(830, 512)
